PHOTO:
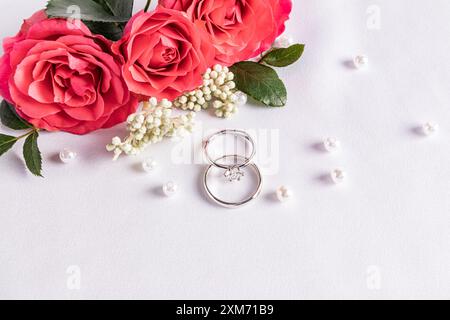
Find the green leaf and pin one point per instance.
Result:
(108, 17)
(260, 82)
(89, 10)
(6, 143)
(112, 31)
(10, 118)
(120, 8)
(283, 57)
(32, 155)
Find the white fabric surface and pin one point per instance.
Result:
(385, 234)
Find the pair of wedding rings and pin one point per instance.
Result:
(234, 170)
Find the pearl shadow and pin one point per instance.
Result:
(137, 167)
(318, 147)
(271, 197)
(54, 158)
(417, 131)
(349, 64)
(324, 179)
(158, 191)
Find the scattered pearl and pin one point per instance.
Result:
(338, 176)
(149, 165)
(284, 41)
(283, 194)
(67, 155)
(361, 61)
(170, 188)
(331, 144)
(430, 128)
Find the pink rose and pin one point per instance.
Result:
(61, 77)
(165, 54)
(239, 29)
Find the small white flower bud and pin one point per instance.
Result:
(157, 122)
(153, 102)
(167, 112)
(127, 148)
(166, 103)
(220, 81)
(214, 74)
(158, 113)
(131, 117)
(116, 141)
(217, 104)
(183, 99)
(110, 147)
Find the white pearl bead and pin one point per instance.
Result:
(240, 98)
(149, 165)
(284, 193)
(361, 61)
(284, 41)
(67, 155)
(338, 176)
(331, 144)
(170, 188)
(430, 128)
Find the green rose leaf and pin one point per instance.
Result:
(105, 17)
(91, 10)
(111, 31)
(260, 82)
(6, 143)
(10, 118)
(32, 155)
(118, 8)
(283, 57)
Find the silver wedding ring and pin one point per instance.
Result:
(236, 133)
(233, 171)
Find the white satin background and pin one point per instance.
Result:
(384, 234)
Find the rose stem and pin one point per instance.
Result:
(147, 5)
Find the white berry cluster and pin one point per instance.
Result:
(150, 126)
(218, 87)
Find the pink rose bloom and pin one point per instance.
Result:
(61, 77)
(165, 54)
(240, 29)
